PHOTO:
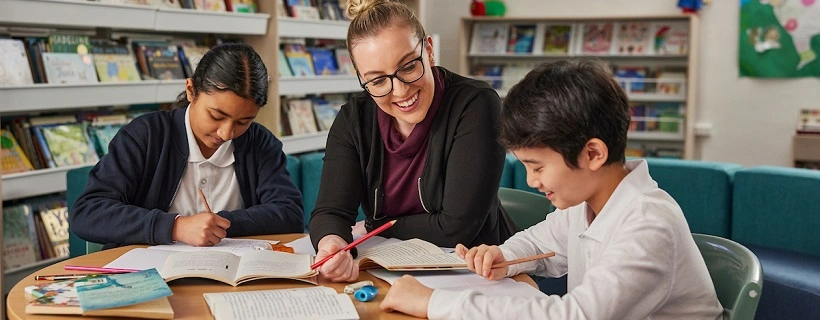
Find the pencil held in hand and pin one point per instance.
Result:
(524, 259)
(204, 201)
(354, 243)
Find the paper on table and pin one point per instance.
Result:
(235, 246)
(463, 280)
(317, 303)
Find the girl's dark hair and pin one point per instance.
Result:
(562, 105)
(232, 67)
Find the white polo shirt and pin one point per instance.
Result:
(215, 176)
(636, 260)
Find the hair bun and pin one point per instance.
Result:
(357, 7)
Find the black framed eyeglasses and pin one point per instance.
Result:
(410, 72)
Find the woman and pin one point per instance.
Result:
(417, 146)
(145, 190)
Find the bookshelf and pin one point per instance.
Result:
(678, 131)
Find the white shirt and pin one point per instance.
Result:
(636, 260)
(215, 176)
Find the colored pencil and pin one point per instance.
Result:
(100, 269)
(354, 243)
(525, 259)
(53, 277)
(204, 201)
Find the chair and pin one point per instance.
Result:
(75, 184)
(525, 208)
(736, 274)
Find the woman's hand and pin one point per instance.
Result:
(341, 267)
(203, 229)
(481, 259)
(408, 295)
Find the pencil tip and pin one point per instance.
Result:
(392, 222)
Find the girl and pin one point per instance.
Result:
(417, 146)
(145, 190)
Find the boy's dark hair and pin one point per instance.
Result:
(562, 105)
(232, 67)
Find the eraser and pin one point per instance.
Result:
(366, 293)
(356, 286)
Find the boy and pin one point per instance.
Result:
(623, 241)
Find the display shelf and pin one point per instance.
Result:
(317, 29)
(41, 97)
(304, 142)
(186, 20)
(318, 84)
(35, 183)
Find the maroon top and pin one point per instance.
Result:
(404, 160)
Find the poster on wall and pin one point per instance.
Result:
(779, 38)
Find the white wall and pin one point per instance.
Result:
(751, 120)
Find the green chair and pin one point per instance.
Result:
(75, 184)
(525, 208)
(736, 274)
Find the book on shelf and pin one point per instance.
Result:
(69, 68)
(633, 38)
(12, 155)
(557, 38)
(330, 10)
(808, 121)
(300, 116)
(317, 303)
(20, 243)
(243, 6)
(55, 221)
(300, 63)
(521, 38)
(489, 38)
(114, 62)
(671, 83)
(490, 73)
(325, 114)
(306, 12)
(14, 64)
(223, 266)
(408, 255)
(629, 78)
(671, 37)
(324, 63)
(69, 43)
(596, 38)
(344, 61)
(283, 69)
(69, 144)
(210, 5)
(138, 295)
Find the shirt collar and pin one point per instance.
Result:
(223, 156)
(632, 185)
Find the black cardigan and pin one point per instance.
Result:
(459, 183)
(129, 192)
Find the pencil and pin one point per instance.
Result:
(204, 201)
(100, 269)
(524, 259)
(52, 277)
(354, 243)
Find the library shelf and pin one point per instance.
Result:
(35, 183)
(315, 84)
(44, 96)
(318, 29)
(304, 142)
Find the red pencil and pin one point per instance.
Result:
(354, 243)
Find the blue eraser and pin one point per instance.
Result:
(366, 293)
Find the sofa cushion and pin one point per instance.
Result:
(791, 289)
(312, 164)
(702, 189)
(295, 171)
(507, 174)
(778, 208)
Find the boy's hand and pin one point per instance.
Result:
(341, 267)
(481, 259)
(203, 229)
(409, 296)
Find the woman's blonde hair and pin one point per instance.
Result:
(369, 17)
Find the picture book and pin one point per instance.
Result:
(325, 114)
(69, 43)
(489, 38)
(669, 117)
(11, 155)
(521, 38)
(597, 38)
(69, 144)
(227, 267)
(671, 83)
(137, 295)
(629, 78)
(409, 255)
(283, 69)
(633, 38)
(808, 121)
(55, 221)
(300, 116)
(557, 38)
(300, 63)
(69, 68)
(490, 73)
(193, 53)
(245, 6)
(14, 64)
(20, 246)
(318, 303)
(345, 63)
(114, 62)
(671, 37)
(323, 62)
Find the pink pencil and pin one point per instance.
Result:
(100, 269)
(354, 243)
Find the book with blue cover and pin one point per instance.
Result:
(323, 62)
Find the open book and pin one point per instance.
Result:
(408, 255)
(318, 303)
(219, 265)
(137, 295)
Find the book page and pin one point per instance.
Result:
(263, 263)
(141, 259)
(217, 265)
(410, 254)
(317, 303)
(459, 280)
(235, 246)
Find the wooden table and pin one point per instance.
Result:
(187, 300)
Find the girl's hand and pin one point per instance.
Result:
(341, 267)
(481, 259)
(408, 295)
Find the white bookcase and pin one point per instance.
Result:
(682, 139)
